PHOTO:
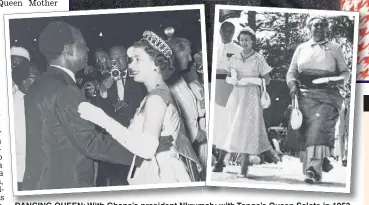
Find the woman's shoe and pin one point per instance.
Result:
(241, 175)
(318, 178)
(310, 177)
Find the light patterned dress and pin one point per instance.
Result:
(245, 130)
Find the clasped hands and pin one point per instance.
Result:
(97, 116)
(243, 81)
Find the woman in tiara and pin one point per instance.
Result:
(319, 103)
(152, 65)
(246, 132)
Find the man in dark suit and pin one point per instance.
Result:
(125, 95)
(61, 146)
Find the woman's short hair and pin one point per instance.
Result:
(253, 37)
(249, 32)
(310, 21)
(163, 63)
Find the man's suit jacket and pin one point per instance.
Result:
(61, 146)
(133, 95)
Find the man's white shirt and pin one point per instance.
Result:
(20, 131)
(223, 50)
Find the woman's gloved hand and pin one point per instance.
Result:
(243, 81)
(231, 80)
(93, 114)
(233, 73)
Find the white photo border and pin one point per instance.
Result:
(295, 187)
(8, 17)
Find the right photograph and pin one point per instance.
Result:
(280, 111)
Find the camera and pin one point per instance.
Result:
(115, 72)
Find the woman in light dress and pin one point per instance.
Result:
(152, 64)
(245, 131)
(189, 95)
(320, 104)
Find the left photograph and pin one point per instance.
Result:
(107, 100)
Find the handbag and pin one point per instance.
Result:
(265, 98)
(296, 115)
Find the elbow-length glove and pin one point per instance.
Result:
(142, 144)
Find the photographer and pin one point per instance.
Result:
(125, 95)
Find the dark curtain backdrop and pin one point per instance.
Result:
(117, 29)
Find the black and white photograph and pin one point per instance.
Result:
(281, 114)
(106, 100)
(209, 9)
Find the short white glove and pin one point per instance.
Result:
(243, 82)
(233, 73)
(141, 144)
(94, 114)
(231, 80)
(246, 81)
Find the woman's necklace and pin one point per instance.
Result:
(246, 55)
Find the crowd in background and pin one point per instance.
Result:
(111, 88)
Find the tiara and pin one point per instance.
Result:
(158, 43)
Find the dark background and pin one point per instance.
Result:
(117, 29)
